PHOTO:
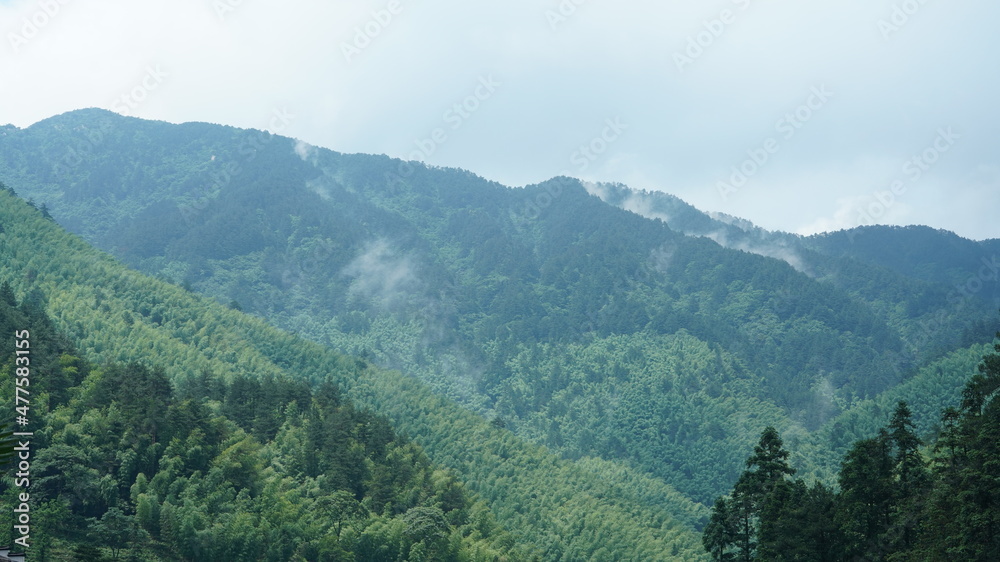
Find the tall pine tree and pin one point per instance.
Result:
(749, 519)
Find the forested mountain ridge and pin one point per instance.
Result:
(666, 343)
(555, 509)
(914, 268)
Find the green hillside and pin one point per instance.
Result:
(930, 391)
(560, 510)
(271, 469)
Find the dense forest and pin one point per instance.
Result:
(116, 318)
(129, 467)
(897, 498)
(528, 306)
(564, 348)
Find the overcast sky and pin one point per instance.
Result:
(802, 116)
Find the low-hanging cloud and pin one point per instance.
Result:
(383, 277)
(305, 151)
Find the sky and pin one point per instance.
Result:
(802, 116)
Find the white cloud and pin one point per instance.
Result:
(642, 205)
(844, 216)
(320, 187)
(305, 151)
(383, 277)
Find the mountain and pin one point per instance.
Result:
(916, 267)
(553, 509)
(598, 321)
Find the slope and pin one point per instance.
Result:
(563, 511)
(254, 469)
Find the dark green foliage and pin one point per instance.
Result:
(7, 444)
(866, 499)
(168, 476)
(721, 532)
(86, 553)
(912, 480)
(805, 526)
(115, 531)
(769, 462)
(746, 526)
(889, 507)
(963, 513)
(7, 295)
(427, 529)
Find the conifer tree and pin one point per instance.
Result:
(719, 537)
(7, 294)
(910, 479)
(770, 491)
(866, 496)
(736, 525)
(964, 511)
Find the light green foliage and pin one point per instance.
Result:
(217, 492)
(669, 404)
